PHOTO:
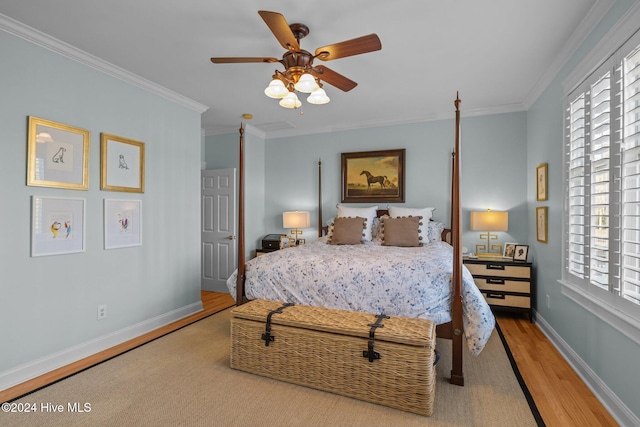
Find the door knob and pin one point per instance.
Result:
(231, 237)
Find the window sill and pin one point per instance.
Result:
(611, 315)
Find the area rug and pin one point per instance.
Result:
(184, 379)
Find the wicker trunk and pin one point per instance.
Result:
(338, 351)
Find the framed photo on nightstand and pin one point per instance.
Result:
(509, 250)
(520, 253)
(285, 242)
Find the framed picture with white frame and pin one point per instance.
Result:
(57, 226)
(509, 249)
(122, 223)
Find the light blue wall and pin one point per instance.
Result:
(612, 356)
(49, 304)
(221, 151)
(493, 160)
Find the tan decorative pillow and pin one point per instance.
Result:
(402, 231)
(348, 231)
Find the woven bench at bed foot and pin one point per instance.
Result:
(378, 359)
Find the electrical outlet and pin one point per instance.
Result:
(548, 301)
(102, 311)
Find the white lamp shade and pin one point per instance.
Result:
(296, 219)
(489, 221)
(306, 84)
(276, 89)
(290, 101)
(318, 97)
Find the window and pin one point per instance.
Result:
(602, 188)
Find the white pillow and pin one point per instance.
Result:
(368, 213)
(425, 213)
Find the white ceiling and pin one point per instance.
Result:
(497, 53)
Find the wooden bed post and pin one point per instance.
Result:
(456, 240)
(240, 279)
(319, 197)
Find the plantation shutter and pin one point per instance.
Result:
(630, 206)
(576, 188)
(600, 184)
(601, 215)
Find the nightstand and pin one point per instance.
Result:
(270, 243)
(264, 251)
(506, 285)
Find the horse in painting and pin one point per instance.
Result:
(373, 179)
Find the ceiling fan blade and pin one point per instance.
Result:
(351, 47)
(241, 60)
(327, 75)
(279, 27)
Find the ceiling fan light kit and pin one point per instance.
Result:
(276, 89)
(318, 97)
(300, 74)
(290, 100)
(306, 83)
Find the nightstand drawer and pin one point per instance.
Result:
(503, 285)
(500, 299)
(499, 269)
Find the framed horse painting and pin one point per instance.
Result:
(373, 176)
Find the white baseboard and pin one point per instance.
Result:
(28, 371)
(618, 410)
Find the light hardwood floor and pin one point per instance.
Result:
(560, 395)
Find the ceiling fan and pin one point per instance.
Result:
(300, 74)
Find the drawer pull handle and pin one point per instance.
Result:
(495, 267)
(495, 281)
(495, 296)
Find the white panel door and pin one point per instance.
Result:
(219, 244)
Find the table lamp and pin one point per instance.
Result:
(489, 221)
(296, 220)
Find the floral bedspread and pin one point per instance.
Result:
(412, 282)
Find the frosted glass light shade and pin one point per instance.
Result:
(290, 100)
(296, 219)
(489, 221)
(318, 97)
(276, 89)
(306, 84)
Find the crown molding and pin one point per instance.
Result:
(614, 39)
(41, 39)
(398, 121)
(254, 131)
(588, 24)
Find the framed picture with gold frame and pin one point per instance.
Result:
(541, 182)
(121, 164)
(285, 242)
(541, 224)
(57, 155)
(373, 176)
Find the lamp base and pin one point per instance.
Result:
(294, 236)
(494, 252)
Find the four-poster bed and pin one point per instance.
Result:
(475, 321)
